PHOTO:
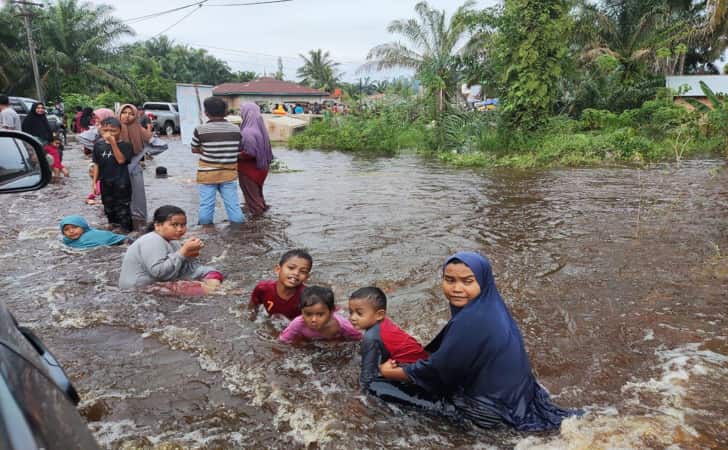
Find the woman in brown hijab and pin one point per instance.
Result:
(138, 137)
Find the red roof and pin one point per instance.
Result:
(267, 86)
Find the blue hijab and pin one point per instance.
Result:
(91, 237)
(479, 361)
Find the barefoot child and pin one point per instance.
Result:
(159, 256)
(383, 340)
(283, 295)
(78, 234)
(318, 320)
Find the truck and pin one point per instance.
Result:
(164, 116)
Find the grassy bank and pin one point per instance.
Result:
(657, 131)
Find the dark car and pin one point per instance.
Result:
(37, 400)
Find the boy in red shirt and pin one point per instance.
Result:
(53, 149)
(283, 295)
(383, 340)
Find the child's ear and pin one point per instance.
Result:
(380, 314)
(277, 269)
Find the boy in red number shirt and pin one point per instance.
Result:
(283, 295)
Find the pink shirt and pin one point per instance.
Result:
(297, 329)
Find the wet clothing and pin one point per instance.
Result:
(251, 180)
(91, 237)
(138, 137)
(256, 155)
(115, 182)
(151, 258)
(53, 151)
(384, 341)
(265, 294)
(297, 330)
(479, 361)
(219, 142)
(37, 125)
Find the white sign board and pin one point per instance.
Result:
(191, 111)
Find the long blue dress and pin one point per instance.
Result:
(479, 361)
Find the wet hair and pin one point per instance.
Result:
(215, 106)
(313, 295)
(373, 295)
(163, 213)
(111, 122)
(296, 253)
(4, 100)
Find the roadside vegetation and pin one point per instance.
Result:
(579, 83)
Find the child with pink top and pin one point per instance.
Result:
(318, 320)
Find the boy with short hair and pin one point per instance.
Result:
(383, 340)
(218, 143)
(111, 159)
(283, 295)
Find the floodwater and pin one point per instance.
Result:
(617, 276)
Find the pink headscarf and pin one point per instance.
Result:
(103, 113)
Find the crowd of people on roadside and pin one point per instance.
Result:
(476, 370)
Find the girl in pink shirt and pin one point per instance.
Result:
(318, 320)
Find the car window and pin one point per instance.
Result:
(18, 162)
(176, 108)
(157, 106)
(28, 105)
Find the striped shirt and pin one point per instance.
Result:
(219, 141)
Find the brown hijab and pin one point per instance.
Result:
(134, 133)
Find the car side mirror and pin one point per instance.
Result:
(23, 163)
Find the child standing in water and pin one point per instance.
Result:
(318, 320)
(383, 340)
(283, 295)
(111, 158)
(159, 256)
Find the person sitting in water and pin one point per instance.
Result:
(383, 340)
(478, 361)
(318, 319)
(283, 295)
(159, 256)
(78, 234)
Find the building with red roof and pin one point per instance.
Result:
(267, 90)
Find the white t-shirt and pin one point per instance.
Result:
(9, 119)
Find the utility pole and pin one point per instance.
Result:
(26, 13)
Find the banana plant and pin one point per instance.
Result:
(717, 101)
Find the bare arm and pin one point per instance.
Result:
(391, 371)
(117, 152)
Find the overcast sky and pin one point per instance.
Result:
(253, 37)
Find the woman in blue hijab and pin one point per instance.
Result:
(78, 234)
(478, 360)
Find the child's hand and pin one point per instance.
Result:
(191, 247)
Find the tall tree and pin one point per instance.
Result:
(319, 70)
(533, 54)
(76, 41)
(433, 47)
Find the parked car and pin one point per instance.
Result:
(37, 400)
(164, 116)
(22, 106)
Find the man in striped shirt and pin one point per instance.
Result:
(218, 144)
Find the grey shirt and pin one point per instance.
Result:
(152, 258)
(9, 119)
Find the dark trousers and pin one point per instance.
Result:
(116, 197)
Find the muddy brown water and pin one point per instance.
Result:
(618, 278)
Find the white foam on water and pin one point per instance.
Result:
(663, 425)
(94, 396)
(108, 433)
(37, 233)
(649, 335)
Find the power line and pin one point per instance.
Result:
(252, 3)
(180, 20)
(161, 13)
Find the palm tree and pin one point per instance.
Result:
(318, 70)
(434, 47)
(76, 41)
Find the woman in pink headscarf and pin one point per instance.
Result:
(255, 157)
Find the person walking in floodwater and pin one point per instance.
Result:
(133, 133)
(255, 157)
(478, 361)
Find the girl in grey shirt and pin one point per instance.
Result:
(160, 256)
